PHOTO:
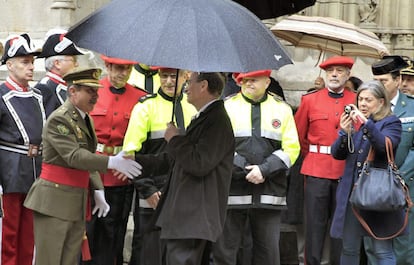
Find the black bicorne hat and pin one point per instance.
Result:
(18, 45)
(58, 44)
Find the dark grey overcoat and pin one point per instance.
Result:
(195, 202)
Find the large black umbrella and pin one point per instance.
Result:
(198, 35)
(275, 8)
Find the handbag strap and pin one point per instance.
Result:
(389, 150)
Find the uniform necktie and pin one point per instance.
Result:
(88, 124)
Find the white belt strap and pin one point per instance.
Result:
(321, 149)
(240, 200)
(273, 200)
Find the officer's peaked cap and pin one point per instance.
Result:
(388, 64)
(85, 77)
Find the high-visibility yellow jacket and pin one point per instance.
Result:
(146, 129)
(266, 135)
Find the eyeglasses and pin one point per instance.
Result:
(166, 76)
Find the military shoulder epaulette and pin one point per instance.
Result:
(143, 98)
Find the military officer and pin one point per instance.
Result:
(111, 116)
(317, 120)
(59, 196)
(388, 72)
(407, 79)
(21, 120)
(60, 58)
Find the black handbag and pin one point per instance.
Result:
(380, 189)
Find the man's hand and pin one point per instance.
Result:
(101, 206)
(120, 175)
(255, 175)
(171, 131)
(154, 199)
(124, 164)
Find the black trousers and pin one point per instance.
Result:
(265, 234)
(152, 249)
(106, 235)
(187, 252)
(320, 201)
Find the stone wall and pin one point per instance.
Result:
(390, 20)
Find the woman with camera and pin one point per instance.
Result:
(364, 125)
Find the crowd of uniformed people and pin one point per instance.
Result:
(209, 163)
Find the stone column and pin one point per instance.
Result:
(62, 12)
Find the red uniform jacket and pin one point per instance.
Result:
(317, 121)
(111, 116)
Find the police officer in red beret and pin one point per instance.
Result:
(317, 120)
(60, 58)
(267, 145)
(21, 121)
(111, 116)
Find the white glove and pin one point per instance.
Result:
(128, 167)
(101, 206)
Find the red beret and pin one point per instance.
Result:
(337, 60)
(116, 60)
(239, 76)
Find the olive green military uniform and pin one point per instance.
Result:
(59, 210)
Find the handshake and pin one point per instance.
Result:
(125, 165)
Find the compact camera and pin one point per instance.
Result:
(348, 109)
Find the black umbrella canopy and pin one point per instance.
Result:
(265, 9)
(198, 35)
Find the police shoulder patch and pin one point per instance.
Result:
(143, 98)
(63, 130)
(276, 123)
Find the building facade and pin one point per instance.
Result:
(390, 20)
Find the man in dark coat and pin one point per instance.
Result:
(193, 206)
